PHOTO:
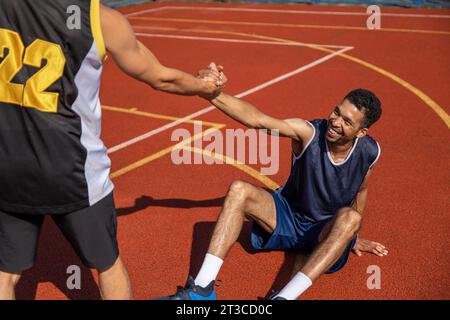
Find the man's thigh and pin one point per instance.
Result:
(260, 206)
(19, 234)
(92, 233)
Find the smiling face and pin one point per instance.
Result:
(345, 123)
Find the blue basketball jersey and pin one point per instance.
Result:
(317, 186)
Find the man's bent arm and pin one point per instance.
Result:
(247, 114)
(138, 62)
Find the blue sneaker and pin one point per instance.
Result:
(193, 292)
(273, 296)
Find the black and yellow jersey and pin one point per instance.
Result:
(52, 159)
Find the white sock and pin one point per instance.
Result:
(298, 284)
(209, 270)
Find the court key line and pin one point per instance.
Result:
(210, 108)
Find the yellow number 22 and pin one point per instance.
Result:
(33, 93)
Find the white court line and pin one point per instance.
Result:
(240, 95)
(170, 36)
(144, 11)
(343, 13)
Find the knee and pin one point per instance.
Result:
(9, 279)
(350, 220)
(239, 190)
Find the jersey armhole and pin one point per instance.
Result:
(295, 158)
(378, 156)
(96, 29)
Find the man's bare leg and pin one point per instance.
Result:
(8, 282)
(115, 283)
(333, 240)
(243, 199)
(361, 246)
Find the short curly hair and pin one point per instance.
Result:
(367, 102)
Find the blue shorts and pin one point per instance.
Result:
(293, 232)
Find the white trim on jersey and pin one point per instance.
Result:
(346, 159)
(295, 158)
(378, 156)
(87, 106)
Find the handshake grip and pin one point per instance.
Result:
(215, 80)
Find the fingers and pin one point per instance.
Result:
(381, 249)
(378, 244)
(364, 245)
(210, 76)
(215, 78)
(213, 67)
(223, 78)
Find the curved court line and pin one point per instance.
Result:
(211, 108)
(159, 154)
(243, 167)
(182, 145)
(419, 93)
(289, 25)
(152, 115)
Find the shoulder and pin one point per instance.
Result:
(372, 148)
(318, 123)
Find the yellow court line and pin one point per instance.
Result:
(419, 93)
(424, 97)
(135, 111)
(182, 145)
(289, 25)
(163, 152)
(243, 167)
(431, 103)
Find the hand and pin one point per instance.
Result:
(363, 245)
(215, 81)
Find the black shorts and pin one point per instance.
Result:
(91, 231)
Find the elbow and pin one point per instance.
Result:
(256, 122)
(158, 85)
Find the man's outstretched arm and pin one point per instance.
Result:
(250, 116)
(139, 62)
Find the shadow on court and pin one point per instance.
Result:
(144, 201)
(54, 256)
(203, 231)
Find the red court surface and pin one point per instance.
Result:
(167, 211)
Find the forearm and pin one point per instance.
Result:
(167, 79)
(239, 110)
(179, 82)
(137, 61)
